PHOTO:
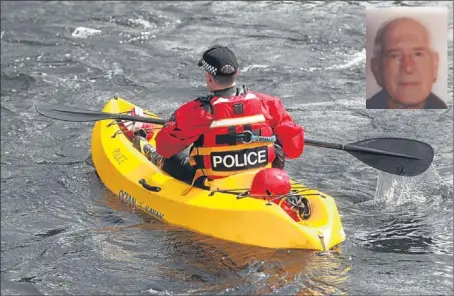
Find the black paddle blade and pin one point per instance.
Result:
(70, 113)
(421, 155)
(82, 115)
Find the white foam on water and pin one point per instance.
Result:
(143, 36)
(356, 59)
(395, 190)
(83, 32)
(3, 33)
(310, 69)
(117, 70)
(154, 292)
(251, 67)
(140, 21)
(373, 4)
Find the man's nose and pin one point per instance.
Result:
(408, 63)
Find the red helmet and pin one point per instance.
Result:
(270, 182)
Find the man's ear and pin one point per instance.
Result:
(208, 77)
(375, 65)
(435, 60)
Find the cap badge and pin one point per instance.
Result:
(227, 69)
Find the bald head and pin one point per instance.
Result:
(391, 31)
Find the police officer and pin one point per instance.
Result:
(232, 130)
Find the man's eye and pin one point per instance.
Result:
(419, 53)
(393, 55)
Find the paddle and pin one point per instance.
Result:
(83, 115)
(398, 156)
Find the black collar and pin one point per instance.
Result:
(227, 92)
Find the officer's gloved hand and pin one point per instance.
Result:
(138, 128)
(134, 126)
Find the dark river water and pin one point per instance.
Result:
(64, 233)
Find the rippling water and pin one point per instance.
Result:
(64, 233)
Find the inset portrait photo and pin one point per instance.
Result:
(407, 58)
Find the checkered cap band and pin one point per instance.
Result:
(209, 68)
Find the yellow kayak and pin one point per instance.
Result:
(225, 211)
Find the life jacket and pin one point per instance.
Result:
(239, 138)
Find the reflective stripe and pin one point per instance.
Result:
(225, 100)
(219, 100)
(238, 121)
(250, 96)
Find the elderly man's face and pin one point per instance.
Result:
(407, 68)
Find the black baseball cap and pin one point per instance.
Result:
(220, 61)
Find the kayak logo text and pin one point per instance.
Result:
(239, 160)
(131, 200)
(119, 156)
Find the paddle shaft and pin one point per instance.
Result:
(353, 148)
(137, 118)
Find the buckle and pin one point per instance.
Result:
(245, 139)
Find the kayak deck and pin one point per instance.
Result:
(224, 215)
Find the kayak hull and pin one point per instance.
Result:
(126, 172)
